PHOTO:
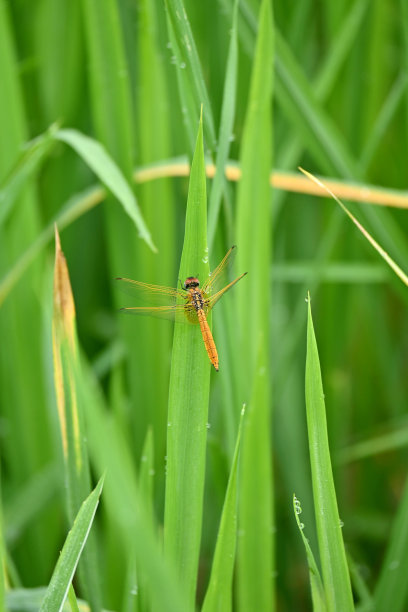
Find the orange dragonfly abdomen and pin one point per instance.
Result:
(208, 338)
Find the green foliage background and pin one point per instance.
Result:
(133, 75)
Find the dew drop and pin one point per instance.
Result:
(296, 503)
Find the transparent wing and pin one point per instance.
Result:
(219, 276)
(183, 313)
(160, 301)
(213, 299)
(154, 295)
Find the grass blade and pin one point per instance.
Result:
(155, 116)
(187, 56)
(188, 401)
(108, 172)
(392, 589)
(25, 166)
(73, 602)
(110, 82)
(2, 565)
(298, 100)
(187, 99)
(316, 586)
(68, 386)
(22, 396)
(375, 446)
(256, 542)
(82, 203)
(126, 507)
(68, 560)
(31, 499)
(384, 118)
(219, 590)
(395, 267)
(73, 209)
(336, 579)
(28, 600)
(226, 127)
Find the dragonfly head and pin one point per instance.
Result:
(191, 282)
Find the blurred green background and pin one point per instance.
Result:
(112, 70)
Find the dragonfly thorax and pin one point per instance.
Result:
(191, 282)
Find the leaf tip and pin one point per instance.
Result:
(57, 238)
(64, 307)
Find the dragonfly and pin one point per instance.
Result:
(189, 304)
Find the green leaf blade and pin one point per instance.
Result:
(27, 163)
(57, 590)
(225, 133)
(97, 158)
(391, 589)
(187, 56)
(336, 578)
(316, 586)
(188, 401)
(219, 592)
(255, 584)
